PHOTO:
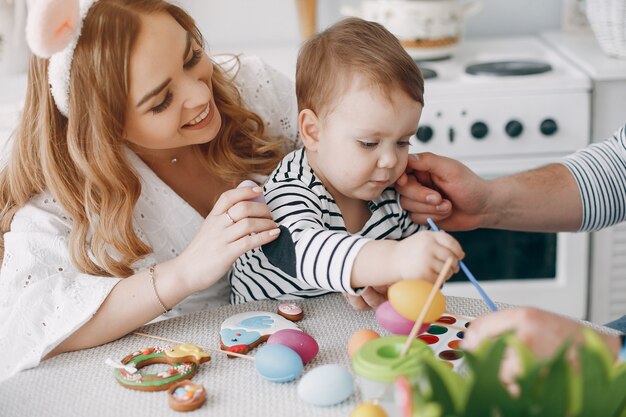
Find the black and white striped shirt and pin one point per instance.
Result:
(600, 171)
(325, 251)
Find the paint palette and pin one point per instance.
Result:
(444, 337)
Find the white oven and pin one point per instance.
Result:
(501, 122)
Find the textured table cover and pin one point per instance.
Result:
(81, 384)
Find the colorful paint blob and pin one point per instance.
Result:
(429, 339)
(455, 344)
(444, 339)
(434, 329)
(447, 320)
(451, 355)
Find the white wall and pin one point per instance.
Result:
(253, 23)
(274, 22)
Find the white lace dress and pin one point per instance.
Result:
(44, 298)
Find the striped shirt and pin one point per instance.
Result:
(325, 250)
(600, 171)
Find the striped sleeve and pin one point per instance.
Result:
(407, 226)
(324, 258)
(600, 172)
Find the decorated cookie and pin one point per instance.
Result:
(290, 311)
(186, 396)
(184, 360)
(244, 331)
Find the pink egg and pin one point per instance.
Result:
(389, 319)
(249, 183)
(297, 340)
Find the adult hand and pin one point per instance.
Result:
(443, 189)
(543, 332)
(372, 297)
(233, 227)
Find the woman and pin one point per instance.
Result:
(117, 201)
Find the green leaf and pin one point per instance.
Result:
(448, 389)
(487, 396)
(554, 395)
(594, 387)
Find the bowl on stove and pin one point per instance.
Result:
(428, 29)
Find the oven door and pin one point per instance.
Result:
(546, 270)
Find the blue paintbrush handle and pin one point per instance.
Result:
(469, 275)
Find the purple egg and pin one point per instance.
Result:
(302, 343)
(389, 319)
(249, 183)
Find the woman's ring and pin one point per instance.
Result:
(229, 218)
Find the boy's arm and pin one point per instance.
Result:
(324, 257)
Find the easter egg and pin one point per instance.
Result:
(368, 410)
(392, 321)
(302, 343)
(278, 363)
(326, 385)
(359, 338)
(249, 183)
(408, 298)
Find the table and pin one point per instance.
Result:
(80, 384)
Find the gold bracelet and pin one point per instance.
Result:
(151, 272)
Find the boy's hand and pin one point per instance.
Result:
(422, 255)
(372, 297)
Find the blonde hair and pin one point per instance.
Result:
(353, 46)
(57, 154)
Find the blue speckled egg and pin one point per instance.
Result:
(326, 385)
(278, 363)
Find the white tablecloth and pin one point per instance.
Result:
(81, 384)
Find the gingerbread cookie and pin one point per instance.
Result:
(242, 332)
(290, 311)
(186, 396)
(184, 360)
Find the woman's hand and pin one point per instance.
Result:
(541, 331)
(445, 190)
(233, 227)
(423, 255)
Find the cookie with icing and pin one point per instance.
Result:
(184, 360)
(291, 311)
(242, 332)
(186, 396)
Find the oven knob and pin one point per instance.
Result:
(424, 134)
(548, 127)
(514, 128)
(479, 130)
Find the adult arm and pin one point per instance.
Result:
(582, 193)
(48, 306)
(544, 199)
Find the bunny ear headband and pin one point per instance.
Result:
(52, 31)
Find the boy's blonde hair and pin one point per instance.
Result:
(80, 160)
(350, 47)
